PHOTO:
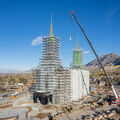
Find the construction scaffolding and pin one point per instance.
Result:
(63, 89)
(77, 58)
(49, 62)
(50, 76)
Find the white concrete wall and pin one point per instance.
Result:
(79, 84)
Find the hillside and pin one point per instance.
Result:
(109, 61)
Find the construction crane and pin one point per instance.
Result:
(107, 78)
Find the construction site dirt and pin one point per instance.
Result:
(94, 106)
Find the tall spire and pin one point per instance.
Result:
(51, 29)
(77, 42)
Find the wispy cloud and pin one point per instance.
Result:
(86, 52)
(37, 41)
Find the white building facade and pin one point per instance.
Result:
(79, 84)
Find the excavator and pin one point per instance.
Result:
(108, 81)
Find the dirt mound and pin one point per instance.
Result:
(41, 115)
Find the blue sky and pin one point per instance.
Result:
(21, 21)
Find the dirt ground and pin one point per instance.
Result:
(5, 106)
(42, 115)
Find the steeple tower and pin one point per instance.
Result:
(77, 42)
(77, 57)
(77, 45)
(51, 29)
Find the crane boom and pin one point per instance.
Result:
(107, 78)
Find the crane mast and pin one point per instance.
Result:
(107, 78)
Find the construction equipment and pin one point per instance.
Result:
(68, 108)
(15, 94)
(26, 85)
(105, 73)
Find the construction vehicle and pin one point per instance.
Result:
(108, 81)
(68, 108)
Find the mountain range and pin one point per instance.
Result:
(109, 61)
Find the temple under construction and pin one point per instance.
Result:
(79, 77)
(54, 83)
(50, 76)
